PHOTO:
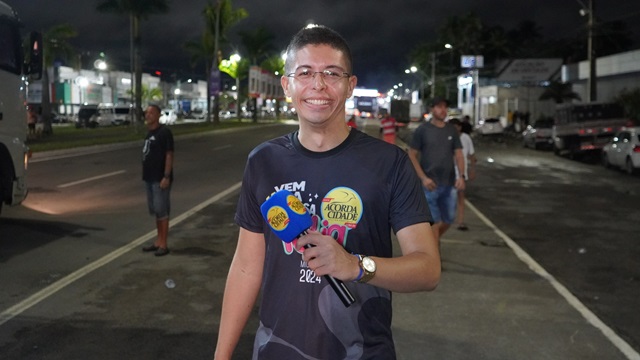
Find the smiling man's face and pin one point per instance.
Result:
(317, 101)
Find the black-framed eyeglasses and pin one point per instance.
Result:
(329, 76)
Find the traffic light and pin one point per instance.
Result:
(158, 73)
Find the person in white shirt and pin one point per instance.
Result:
(469, 170)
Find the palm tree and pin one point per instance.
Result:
(218, 19)
(275, 65)
(258, 45)
(559, 92)
(149, 95)
(137, 10)
(56, 45)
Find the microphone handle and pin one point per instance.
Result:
(338, 286)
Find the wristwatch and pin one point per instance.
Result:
(368, 266)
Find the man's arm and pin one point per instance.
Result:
(168, 166)
(459, 158)
(418, 269)
(241, 291)
(472, 160)
(424, 179)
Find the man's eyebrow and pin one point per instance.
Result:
(328, 67)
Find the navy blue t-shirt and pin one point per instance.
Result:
(357, 192)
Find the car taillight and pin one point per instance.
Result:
(636, 149)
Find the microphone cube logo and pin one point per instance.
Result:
(277, 218)
(296, 205)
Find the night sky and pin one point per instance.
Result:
(380, 33)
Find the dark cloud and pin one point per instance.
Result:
(381, 33)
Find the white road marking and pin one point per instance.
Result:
(92, 179)
(41, 295)
(616, 340)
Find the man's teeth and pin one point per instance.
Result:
(318, 102)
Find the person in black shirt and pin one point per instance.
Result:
(157, 173)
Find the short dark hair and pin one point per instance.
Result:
(156, 106)
(318, 35)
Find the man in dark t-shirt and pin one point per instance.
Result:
(358, 189)
(436, 152)
(157, 174)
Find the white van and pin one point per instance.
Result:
(93, 115)
(122, 115)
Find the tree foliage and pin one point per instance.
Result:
(55, 43)
(218, 17)
(559, 92)
(630, 100)
(138, 10)
(258, 44)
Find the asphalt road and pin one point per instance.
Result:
(576, 218)
(76, 286)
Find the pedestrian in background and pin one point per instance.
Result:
(468, 152)
(434, 147)
(352, 122)
(157, 174)
(358, 189)
(388, 128)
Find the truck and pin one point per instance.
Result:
(585, 127)
(14, 73)
(400, 110)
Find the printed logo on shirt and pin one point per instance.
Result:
(342, 206)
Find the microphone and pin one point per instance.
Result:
(289, 219)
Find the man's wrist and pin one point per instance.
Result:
(361, 271)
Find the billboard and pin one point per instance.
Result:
(528, 70)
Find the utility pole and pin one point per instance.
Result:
(592, 81)
(433, 75)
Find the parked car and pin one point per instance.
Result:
(491, 126)
(168, 117)
(228, 114)
(122, 115)
(196, 115)
(623, 151)
(538, 135)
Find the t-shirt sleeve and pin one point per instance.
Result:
(168, 141)
(248, 215)
(408, 203)
(457, 144)
(472, 150)
(416, 140)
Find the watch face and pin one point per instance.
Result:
(368, 264)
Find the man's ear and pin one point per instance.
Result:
(284, 81)
(353, 81)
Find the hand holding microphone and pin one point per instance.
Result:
(289, 219)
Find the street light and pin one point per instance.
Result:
(413, 70)
(176, 93)
(447, 46)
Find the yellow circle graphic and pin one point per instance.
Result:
(342, 206)
(277, 218)
(296, 205)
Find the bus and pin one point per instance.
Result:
(363, 103)
(14, 153)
